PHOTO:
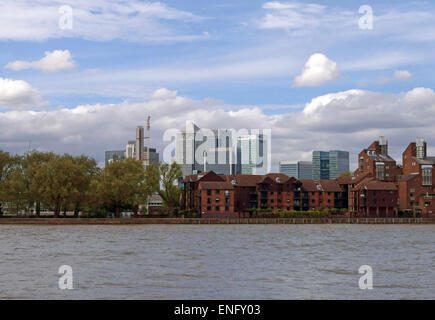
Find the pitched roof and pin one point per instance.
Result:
(330, 186)
(381, 157)
(344, 179)
(215, 185)
(275, 177)
(245, 180)
(409, 177)
(309, 185)
(373, 184)
(155, 198)
(425, 161)
(197, 177)
(355, 180)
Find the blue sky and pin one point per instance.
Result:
(223, 55)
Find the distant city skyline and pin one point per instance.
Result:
(227, 64)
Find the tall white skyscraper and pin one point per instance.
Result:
(252, 154)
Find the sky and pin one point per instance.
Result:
(78, 76)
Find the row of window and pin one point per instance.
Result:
(218, 208)
(226, 192)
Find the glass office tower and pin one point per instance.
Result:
(328, 165)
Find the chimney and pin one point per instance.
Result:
(383, 145)
(421, 148)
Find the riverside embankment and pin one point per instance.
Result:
(125, 221)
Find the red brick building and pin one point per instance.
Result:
(375, 162)
(235, 195)
(373, 190)
(374, 198)
(416, 188)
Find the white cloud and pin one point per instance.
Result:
(317, 71)
(163, 94)
(417, 22)
(364, 115)
(402, 75)
(57, 60)
(399, 75)
(301, 18)
(99, 20)
(18, 94)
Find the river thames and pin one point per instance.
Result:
(218, 261)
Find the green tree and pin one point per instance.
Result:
(32, 164)
(13, 186)
(58, 175)
(169, 191)
(86, 170)
(5, 164)
(121, 182)
(345, 174)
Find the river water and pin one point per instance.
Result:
(218, 261)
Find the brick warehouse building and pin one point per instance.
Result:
(214, 195)
(378, 188)
(375, 162)
(416, 189)
(372, 197)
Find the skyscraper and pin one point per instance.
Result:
(299, 169)
(139, 143)
(114, 155)
(327, 165)
(251, 154)
(198, 150)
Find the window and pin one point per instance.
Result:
(380, 170)
(412, 189)
(227, 208)
(227, 193)
(427, 175)
(217, 200)
(209, 192)
(208, 200)
(218, 191)
(208, 208)
(217, 208)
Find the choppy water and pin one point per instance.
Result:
(218, 262)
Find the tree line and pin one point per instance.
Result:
(61, 183)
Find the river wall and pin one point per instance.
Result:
(129, 221)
